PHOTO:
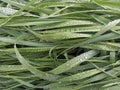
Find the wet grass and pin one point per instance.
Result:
(59, 44)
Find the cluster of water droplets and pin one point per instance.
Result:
(7, 11)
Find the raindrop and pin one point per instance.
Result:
(59, 82)
(67, 64)
(85, 56)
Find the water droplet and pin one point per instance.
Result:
(77, 62)
(67, 64)
(9, 66)
(80, 60)
(85, 56)
(59, 82)
(70, 79)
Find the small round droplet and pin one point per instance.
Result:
(67, 64)
(59, 82)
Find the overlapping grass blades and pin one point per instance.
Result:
(59, 44)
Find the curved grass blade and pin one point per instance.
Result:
(38, 73)
(74, 62)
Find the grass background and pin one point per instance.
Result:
(59, 44)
